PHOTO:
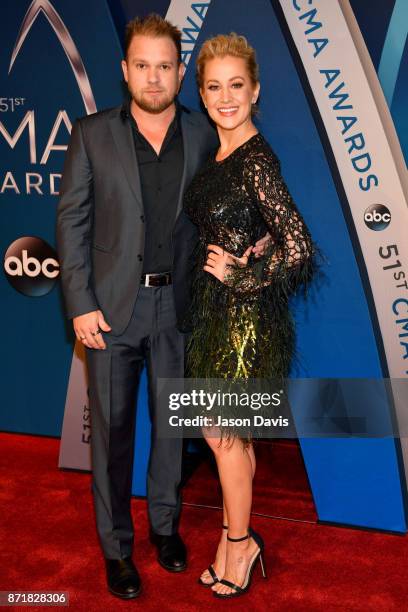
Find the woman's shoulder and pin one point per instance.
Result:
(260, 153)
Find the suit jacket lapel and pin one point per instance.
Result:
(190, 154)
(125, 146)
(123, 138)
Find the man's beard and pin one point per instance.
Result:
(152, 105)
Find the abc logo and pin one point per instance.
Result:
(31, 266)
(377, 217)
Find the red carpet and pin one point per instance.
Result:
(281, 488)
(48, 542)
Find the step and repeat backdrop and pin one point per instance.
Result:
(333, 106)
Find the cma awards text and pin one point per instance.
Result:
(334, 82)
(29, 183)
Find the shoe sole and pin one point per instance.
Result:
(229, 595)
(121, 596)
(173, 569)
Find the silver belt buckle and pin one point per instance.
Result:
(148, 276)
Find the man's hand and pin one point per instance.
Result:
(260, 246)
(88, 329)
(218, 260)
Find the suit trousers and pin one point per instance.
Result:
(150, 338)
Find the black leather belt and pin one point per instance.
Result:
(156, 280)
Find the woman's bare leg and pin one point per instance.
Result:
(250, 450)
(220, 557)
(236, 465)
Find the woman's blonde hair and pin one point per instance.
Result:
(227, 44)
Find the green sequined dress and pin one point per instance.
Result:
(243, 328)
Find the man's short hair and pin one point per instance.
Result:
(155, 26)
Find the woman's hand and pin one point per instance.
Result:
(262, 245)
(218, 260)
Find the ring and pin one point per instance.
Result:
(98, 331)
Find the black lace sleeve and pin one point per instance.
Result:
(289, 260)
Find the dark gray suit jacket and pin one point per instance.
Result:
(100, 220)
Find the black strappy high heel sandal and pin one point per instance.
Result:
(240, 590)
(212, 573)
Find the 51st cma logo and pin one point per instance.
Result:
(31, 266)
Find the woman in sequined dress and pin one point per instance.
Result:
(242, 327)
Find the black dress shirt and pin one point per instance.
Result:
(160, 178)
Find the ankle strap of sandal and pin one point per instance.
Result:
(225, 526)
(245, 537)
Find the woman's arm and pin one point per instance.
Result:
(288, 260)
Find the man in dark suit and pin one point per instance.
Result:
(125, 244)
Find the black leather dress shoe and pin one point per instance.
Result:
(172, 552)
(123, 578)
